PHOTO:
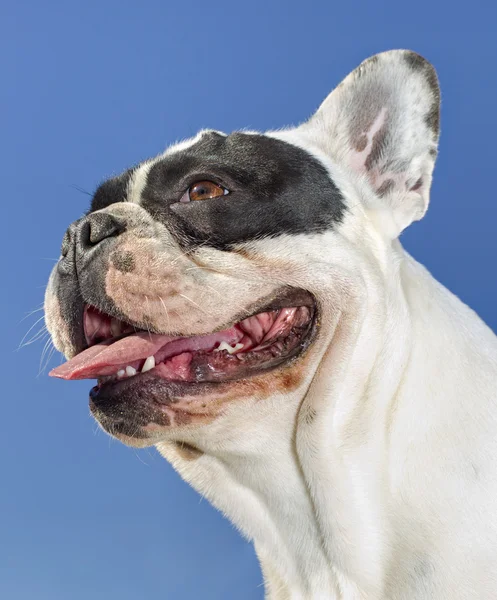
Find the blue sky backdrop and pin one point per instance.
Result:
(90, 88)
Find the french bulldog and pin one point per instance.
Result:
(246, 306)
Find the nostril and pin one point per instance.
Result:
(98, 227)
(103, 226)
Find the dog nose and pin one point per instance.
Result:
(85, 236)
(95, 228)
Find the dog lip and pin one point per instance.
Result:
(104, 391)
(135, 397)
(266, 336)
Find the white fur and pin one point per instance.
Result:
(138, 182)
(389, 493)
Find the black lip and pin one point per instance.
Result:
(149, 388)
(125, 407)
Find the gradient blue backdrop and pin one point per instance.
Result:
(89, 88)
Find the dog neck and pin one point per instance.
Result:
(310, 495)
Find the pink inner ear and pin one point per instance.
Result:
(366, 147)
(358, 158)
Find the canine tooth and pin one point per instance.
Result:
(149, 364)
(222, 346)
(121, 373)
(130, 371)
(226, 346)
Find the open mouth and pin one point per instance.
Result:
(118, 352)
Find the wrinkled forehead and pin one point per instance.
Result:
(279, 186)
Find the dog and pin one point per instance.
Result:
(246, 306)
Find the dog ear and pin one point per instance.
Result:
(382, 122)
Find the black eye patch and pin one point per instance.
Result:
(274, 188)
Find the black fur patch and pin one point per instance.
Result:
(111, 191)
(418, 63)
(275, 188)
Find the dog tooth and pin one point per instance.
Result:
(149, 364)
(130, 371)
(222, 346)
(228, 348)
(121, 373)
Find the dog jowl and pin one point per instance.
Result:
(245, 305)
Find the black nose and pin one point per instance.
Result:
(86, 234)
(96, 228)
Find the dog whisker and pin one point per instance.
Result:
(35, 337)
(166, 311)
(197, 305)
(31, 312)
(43, 333)
(140, 459)
(80, 189)
(146, 323)
(46, 355)
(213, 290)
(185, 255)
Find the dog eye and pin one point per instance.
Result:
(203, 190)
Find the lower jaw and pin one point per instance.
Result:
(200, 375)
(148, 409)
(126, 408)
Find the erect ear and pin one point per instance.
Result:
(382, 122)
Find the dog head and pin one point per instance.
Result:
(204, 286)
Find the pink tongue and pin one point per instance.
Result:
(109, 357)
(106, 359)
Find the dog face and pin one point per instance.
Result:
(204, 286)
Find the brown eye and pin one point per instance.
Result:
(204, 190)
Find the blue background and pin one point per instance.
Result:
(89, 88)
